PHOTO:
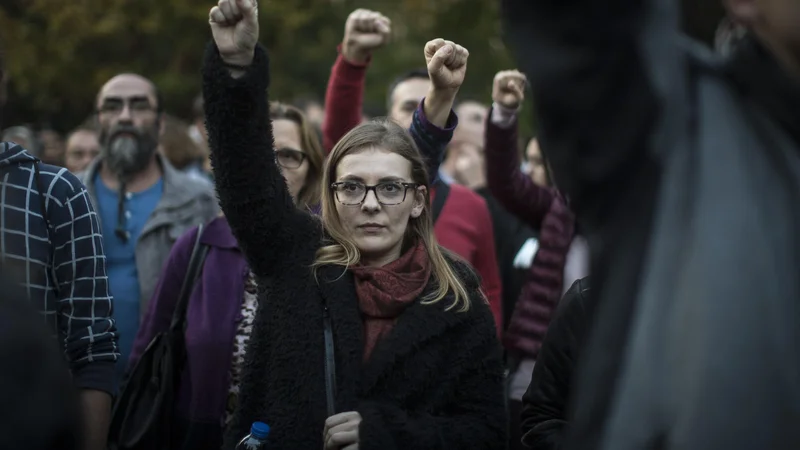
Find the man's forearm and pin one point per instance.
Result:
(438, 105)
(96, 406)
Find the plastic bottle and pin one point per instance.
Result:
(257, 439)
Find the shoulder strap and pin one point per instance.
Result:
(193, 270)
(330, 363)
(442, 191)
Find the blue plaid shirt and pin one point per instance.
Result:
(63, 268)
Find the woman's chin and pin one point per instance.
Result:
(370, 246)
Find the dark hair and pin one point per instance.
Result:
(548, 170)
(419, 73)
(40, 403)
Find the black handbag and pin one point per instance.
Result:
(142, 417)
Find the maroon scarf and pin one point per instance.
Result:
(385, 292)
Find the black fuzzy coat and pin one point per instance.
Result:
(435, 382)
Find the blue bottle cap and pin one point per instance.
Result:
(259, 430)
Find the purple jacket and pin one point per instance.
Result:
(212, 316)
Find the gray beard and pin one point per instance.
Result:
(126, 156)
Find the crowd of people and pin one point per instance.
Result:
(420, 281)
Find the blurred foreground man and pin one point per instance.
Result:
(685, 169)
(50, 244)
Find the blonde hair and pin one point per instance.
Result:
(385, 134)
(308, 197)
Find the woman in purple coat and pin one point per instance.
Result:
(223, 304)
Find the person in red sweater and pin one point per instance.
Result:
(463, 225)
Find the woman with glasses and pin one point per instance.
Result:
(223, 305)
(370, 336)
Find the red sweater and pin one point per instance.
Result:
(464, 226)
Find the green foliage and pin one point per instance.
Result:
(60, 52)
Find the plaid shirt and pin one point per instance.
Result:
(63, 268)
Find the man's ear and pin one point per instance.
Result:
(162, 127)
(743, 12)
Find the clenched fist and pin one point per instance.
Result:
(234, 25)
(364, 32)
(447, 64)
(509, 88)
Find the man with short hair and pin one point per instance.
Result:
(144, 203)
(683, 167)
(50, 242)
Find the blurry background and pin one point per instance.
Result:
(59, 52)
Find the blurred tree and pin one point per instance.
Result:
(60, 52)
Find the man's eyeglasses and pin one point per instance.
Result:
(289, 158)
(351, 193)
(138, 106)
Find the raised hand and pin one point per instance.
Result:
(364, 32)
(447, 64)
(509, 88)
(234, 25)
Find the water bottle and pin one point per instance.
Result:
(257, 439)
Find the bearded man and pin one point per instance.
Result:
(143, 202)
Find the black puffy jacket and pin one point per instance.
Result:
(544, 405)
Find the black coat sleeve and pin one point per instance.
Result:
(252, 192)
(544, 418)
(601, 74)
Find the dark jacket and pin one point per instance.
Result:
(544, 415)
(435, 382)
(64, 268)
(684, 169)
(510, 234)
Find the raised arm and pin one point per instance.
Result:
(364, 32)
(433, 122)
(252, 192)
(602, 73)
(512, 188)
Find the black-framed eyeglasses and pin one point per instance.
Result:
(289, 158)
(352, 193)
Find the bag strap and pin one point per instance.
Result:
(330, 363)
(193, 270)
(442, 191)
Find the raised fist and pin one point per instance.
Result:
(234, 25)
(364, 32)
(509, 88)
(447, 64)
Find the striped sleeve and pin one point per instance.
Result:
(432, 140)
(84, 303)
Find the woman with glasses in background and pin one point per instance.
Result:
(223, 304)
